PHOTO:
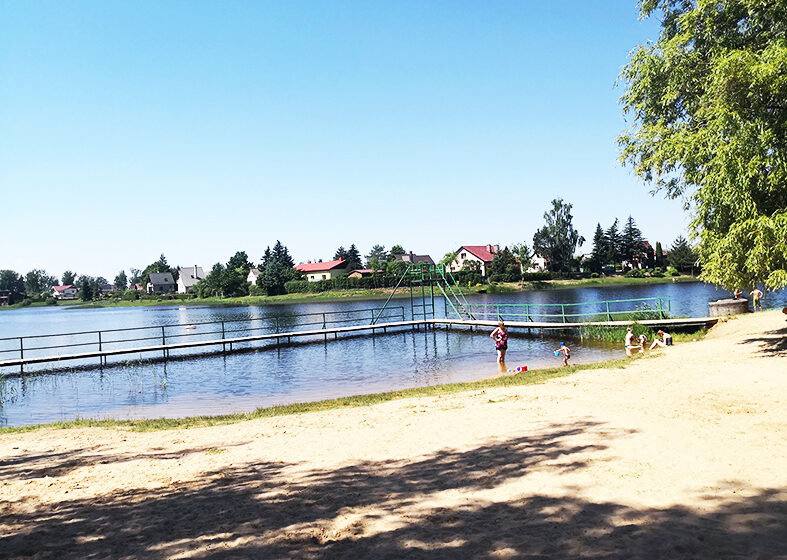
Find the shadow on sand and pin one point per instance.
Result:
(263, 510)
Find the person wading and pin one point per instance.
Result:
(500, 336)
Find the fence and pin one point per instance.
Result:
(639, 308)
(46, 345)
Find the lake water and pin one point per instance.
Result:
(267, 374)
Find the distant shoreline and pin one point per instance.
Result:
(364, 294)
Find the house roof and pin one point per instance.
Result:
(320, 266)
(161, 278)
(62, 288)
(254, 271)
(480, 251)
(415, 259)
(190, 275)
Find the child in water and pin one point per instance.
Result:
(500, 336)
(566, 351)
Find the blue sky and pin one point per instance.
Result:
(201, 128)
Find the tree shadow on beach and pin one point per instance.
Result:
(265, 510)
(771, 343)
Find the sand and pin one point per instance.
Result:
(679, 455)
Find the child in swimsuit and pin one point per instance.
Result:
(566, 351)
(500, 336)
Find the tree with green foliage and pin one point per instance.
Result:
(557, 240)
(448, 258)
(525, 255)
(11, 280)
(614, 244)
(396, 250)
(121, 280)
(599, 254)
(276, 270)
(68, 278)
(504, 267)
(681, 256)
(631, 241)
(353, 258)
(708, 101)
(87, 287)
(659, 256)
(341, 253)
(38, 282)
(136, 276)
(212, 284)
(396, 267)
(378, 255)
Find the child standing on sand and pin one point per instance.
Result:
(756, 296)
(566, 351)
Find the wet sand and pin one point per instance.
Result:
(680, 455)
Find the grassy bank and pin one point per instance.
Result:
(368, 294)
(526, 378)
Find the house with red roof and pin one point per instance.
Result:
(64, 292)
(480, 254)
(323, 270)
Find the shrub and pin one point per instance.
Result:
(291, 287)
(594, 275)
(634, 273)
(536, 276)
(51, 301)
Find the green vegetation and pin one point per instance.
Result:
(708, 101)
(526, 378)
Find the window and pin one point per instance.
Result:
(323, 276)
(463, 255)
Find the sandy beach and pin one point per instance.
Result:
(679, 455)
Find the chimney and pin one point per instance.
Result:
(412, 257)
(489, 248)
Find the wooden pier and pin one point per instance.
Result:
(227, 343)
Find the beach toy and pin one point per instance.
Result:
(557, 353)
(518, 369)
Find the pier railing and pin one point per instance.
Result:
(109, 339)
(608, 310)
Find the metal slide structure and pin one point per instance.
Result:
(425, 278)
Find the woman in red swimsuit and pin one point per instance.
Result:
(500, 335)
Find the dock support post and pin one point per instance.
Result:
(223, 346)
(100, 357)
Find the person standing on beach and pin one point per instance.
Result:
(500, 336)
(756, 296)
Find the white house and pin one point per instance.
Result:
(537, 264)
(188, 276)
(323, 270)
(481, 254)
(254, 274)
(64, 292)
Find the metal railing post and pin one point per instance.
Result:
(163, 341)
(527, 311)
(100, 358)
(563, 311)
(609, 317)
(277, 325)
(223, 346)
(323, 321)
(498, 313)
(21, 354)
